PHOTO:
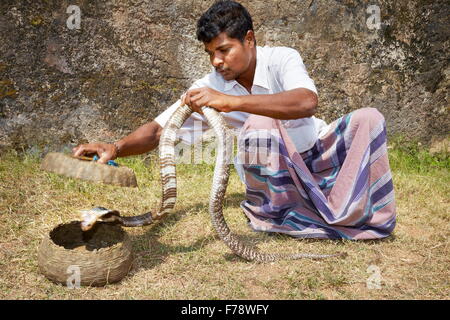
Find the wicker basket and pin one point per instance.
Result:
(88, 170)
(103, 254)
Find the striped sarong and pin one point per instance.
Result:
(339, 189)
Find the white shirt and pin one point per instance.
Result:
(278, 69)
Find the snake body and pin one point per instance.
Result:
(169, 190)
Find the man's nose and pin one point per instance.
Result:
(217, 61)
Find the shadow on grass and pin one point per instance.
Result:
(158, 252)
(233, 200)
(341, 243)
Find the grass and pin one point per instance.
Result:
(182, 258)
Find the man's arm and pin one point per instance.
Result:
(143, 139)
(292, 104)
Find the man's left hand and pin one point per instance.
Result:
(200, 97)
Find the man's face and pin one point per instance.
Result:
(230, 57)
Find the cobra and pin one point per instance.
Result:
(169, 190)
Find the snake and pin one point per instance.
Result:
(218, 190)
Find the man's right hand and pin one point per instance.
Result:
(104, 151)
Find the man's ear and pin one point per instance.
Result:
(250, 38)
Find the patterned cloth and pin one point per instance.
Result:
(340, 189)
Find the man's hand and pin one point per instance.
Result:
(104, 151)
(198, 98)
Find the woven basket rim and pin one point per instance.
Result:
(77, 168)
(88, 163)
(84, 252)
(54, 259)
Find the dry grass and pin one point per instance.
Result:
(182, 258)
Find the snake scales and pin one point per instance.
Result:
(169, 190)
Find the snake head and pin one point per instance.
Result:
(91, 216)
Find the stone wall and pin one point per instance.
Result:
(131, 59)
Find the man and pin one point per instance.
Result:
(269, 89)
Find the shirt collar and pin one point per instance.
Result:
(228, 85)
(260, 78)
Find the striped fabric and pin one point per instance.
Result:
(340, 189)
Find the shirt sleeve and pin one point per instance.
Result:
(193, 127)
(293, 72)
(164, 116)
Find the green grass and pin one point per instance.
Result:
(181, 257)
(413, 158)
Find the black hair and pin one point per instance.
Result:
(224, 16)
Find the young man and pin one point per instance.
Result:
(278, 86)
(324, 181)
